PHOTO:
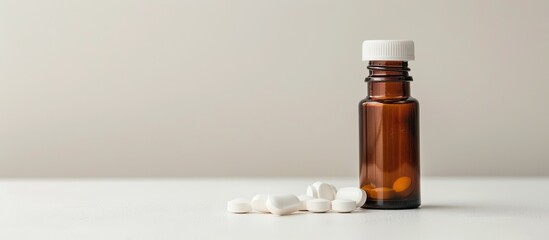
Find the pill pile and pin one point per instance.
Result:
(319, 198)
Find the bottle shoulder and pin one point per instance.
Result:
(370, 101)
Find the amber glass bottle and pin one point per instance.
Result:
(389, 128)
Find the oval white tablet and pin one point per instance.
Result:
(239, 205)
(343, 205)
(303, 202)
(311, 191)
(352, 193)
(282, 204)
(324, 191)
(259, 203)
(318, 205)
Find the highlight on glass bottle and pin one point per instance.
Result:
(389, 128)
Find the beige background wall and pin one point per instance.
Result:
(263, 88)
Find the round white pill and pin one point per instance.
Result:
(352, 193)
(334, 189)
(311, 191)
(363, 198)
(259, 203)
(324, 191)
(283, 204)
(343, 205)
(318, 205)
(303, 199)
(239, 205)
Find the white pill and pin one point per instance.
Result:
(352, 193)
(311, 192)
(318, 205)
(324, 190)
(303, 199)
(343, 205)
(259, 203)
(315, 185)
(283, 204)
(239, 205)
(334, 189)
(363, 200)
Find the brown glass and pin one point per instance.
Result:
(389, 138)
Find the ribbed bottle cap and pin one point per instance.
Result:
(388, 50)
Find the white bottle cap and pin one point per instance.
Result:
(388, 50)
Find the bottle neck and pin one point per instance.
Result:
(388, 80)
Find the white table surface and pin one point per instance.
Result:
(453, 208)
